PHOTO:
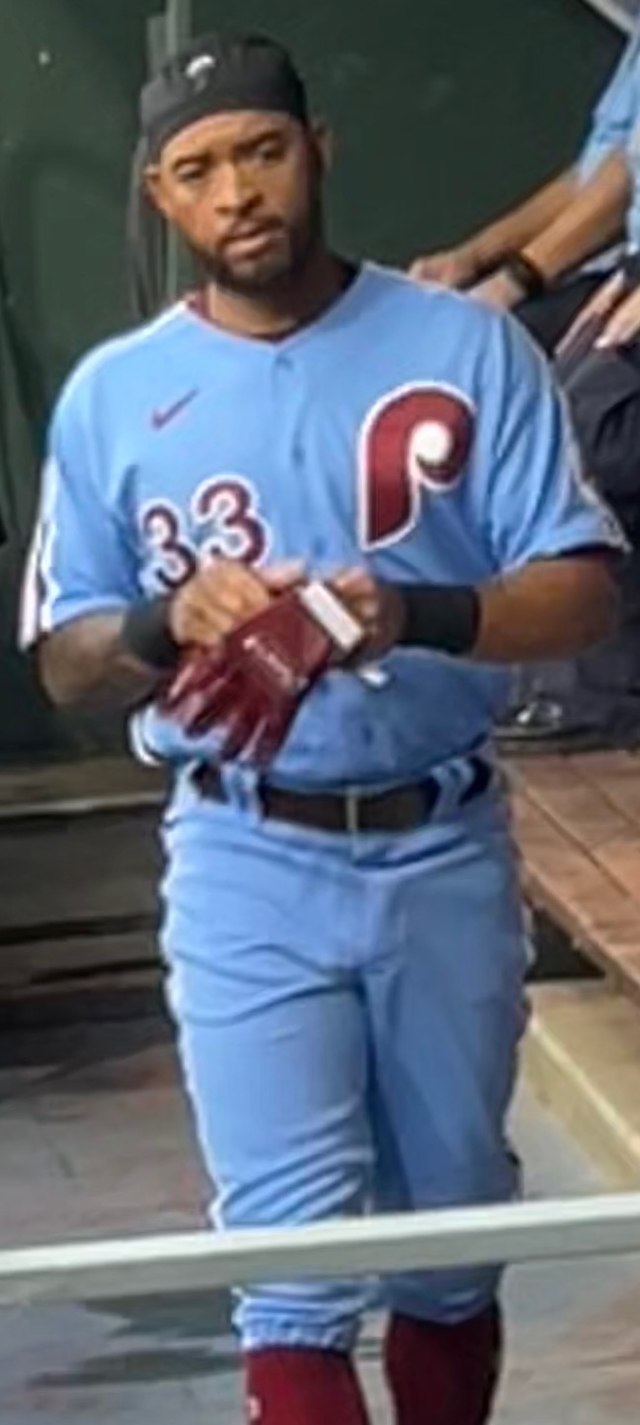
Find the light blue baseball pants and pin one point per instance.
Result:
(349, 1010)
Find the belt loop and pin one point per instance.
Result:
(447, 791)
(480, 777)
(352, 811)
(242, 788)
(259, 799)
(460, 781)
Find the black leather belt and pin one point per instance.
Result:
(399, 809)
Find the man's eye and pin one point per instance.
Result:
(191, 176)
(269, 153)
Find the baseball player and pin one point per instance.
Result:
(303, 521)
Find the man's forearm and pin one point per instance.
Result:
(552, 609)
(590, 223)
(518, 227)
(86, 662)
(121, 658)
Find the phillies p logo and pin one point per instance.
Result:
(415, 438)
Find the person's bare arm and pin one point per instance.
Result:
(552, 608)
(594, 219)
(86, 663)
(522, 225)
(485, 249)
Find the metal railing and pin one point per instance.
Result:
(139, 1266)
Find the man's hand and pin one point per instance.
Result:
(377, 607)
(250, 687)
(499, 291)
(592, 318)
(455, 267)
(222, 595)
(623, 326)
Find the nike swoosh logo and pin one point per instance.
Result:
(162, 418)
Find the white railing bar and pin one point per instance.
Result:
(138, 1266)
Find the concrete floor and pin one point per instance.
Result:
(95, 1141)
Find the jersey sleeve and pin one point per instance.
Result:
(615, 113)
(538, 501)
(82, 557)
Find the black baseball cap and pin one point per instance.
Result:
(215, 76)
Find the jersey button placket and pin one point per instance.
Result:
(290, 398)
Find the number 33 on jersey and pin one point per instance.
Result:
(407, 428)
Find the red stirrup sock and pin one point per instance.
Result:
(443, 1375)
(302, 1386)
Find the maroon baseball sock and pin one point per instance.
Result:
(303, 1386)
(443, 1375)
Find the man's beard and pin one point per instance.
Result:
(274, 273)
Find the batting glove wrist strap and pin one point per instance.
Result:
(330, 613)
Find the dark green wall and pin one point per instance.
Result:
(445, 109)
(443, 112)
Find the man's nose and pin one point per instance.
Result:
(234, 193)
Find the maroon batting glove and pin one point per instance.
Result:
(253, 686)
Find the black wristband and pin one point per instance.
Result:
(525, 273)
(146, 633)
(444, 617)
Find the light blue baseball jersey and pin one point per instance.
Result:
(409, 429)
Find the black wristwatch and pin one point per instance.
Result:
(525, 273)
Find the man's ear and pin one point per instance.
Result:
(153, 188)
(323, 143)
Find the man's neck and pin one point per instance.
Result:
(271, 316)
